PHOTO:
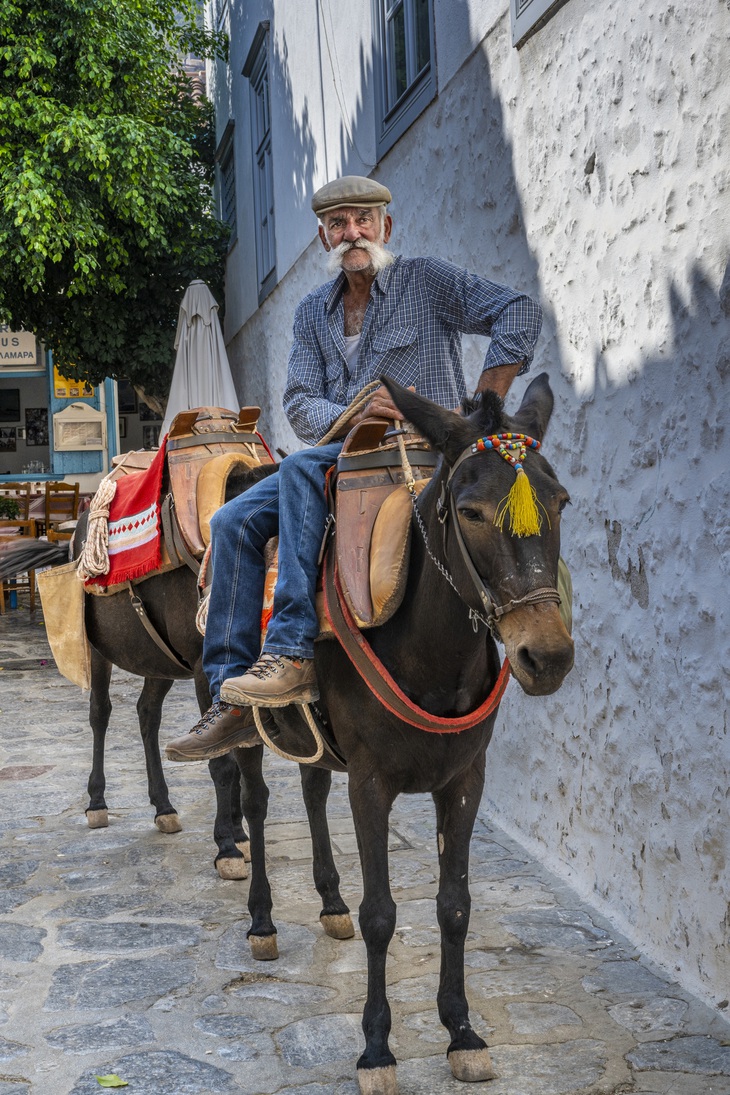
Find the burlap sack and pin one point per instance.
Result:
(62, 597)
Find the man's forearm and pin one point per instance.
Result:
(498, 379)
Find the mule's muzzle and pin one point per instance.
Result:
(539, 648)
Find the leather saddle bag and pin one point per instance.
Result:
(196, 437)
(372, 537)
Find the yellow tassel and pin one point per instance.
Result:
(521, 506)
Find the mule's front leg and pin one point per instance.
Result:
(371, 803)
(335, 915)
(228, 832)
(149, 711)
(255, 799)
(456, 809)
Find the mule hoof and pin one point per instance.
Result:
(232, 870)
(244, 847)
(168, 823)
(338, 926)
(97, 819)
(471, 1065)
(377, 1081)
(263, 947)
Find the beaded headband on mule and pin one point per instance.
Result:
(521, 502)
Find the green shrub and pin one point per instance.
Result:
(9, 509)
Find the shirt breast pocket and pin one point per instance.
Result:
(395, 354)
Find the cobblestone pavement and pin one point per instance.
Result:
(122, 952)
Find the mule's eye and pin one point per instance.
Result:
(563, 503)
(470, 514)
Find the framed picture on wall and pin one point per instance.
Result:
(126, 397)
(36, 426)
(8, 439)
(122, 427)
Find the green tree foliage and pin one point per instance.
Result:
(106, 170)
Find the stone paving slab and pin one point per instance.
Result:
(122, 952)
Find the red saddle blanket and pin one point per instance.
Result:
(134, 525)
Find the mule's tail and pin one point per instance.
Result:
(20, 556)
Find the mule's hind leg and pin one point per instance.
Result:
(255, 798)
(100, 709)
(335, 915)
(228, 832)
(149, 710)
(371, 801)
(456, 808)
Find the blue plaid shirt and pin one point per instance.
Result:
(417, 311)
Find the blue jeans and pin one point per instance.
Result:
(291, 503)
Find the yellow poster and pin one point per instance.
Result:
(63, 388)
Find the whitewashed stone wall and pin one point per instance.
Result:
(591, 168)
(622, 778)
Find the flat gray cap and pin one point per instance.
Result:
(353, 190)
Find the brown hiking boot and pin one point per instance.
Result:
(275, 680)
(222, 727)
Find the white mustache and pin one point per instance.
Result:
(379, 257)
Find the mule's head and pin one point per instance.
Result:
(514, 568)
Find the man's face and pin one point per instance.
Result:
(346, 230)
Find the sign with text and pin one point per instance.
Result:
(18, 349)
(63, 388)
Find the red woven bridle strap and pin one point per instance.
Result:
(377, 677)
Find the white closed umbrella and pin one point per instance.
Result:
(202, 376)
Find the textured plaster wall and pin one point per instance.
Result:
(588, 168)
(620, 158)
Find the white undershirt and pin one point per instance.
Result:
(352, 344)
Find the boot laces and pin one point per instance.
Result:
(213, 712)
(267, 666)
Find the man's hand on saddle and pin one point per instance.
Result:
(380, 406)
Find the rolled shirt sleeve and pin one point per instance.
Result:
(474, 305)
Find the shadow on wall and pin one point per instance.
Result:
(659, 471)
(302, 145)
(451, 174)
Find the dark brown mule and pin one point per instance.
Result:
(446, 667)
(118, 638)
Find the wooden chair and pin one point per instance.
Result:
(10, 532)
(62, 504)
(20, 493)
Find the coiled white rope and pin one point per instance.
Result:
(94, 558)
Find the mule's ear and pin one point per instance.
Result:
(536, 408)
(447, 431)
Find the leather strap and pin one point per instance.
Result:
(152, 632)
(174, 538)
(377, 677)
(199, 440)
(493, 610)
(423, 458)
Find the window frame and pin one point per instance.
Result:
(394, 117)
(225, 154)
(257, 71)
(529, 16)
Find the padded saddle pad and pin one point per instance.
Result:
(212, 482)
(389, 557)
(196, 437)
(369, 473)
